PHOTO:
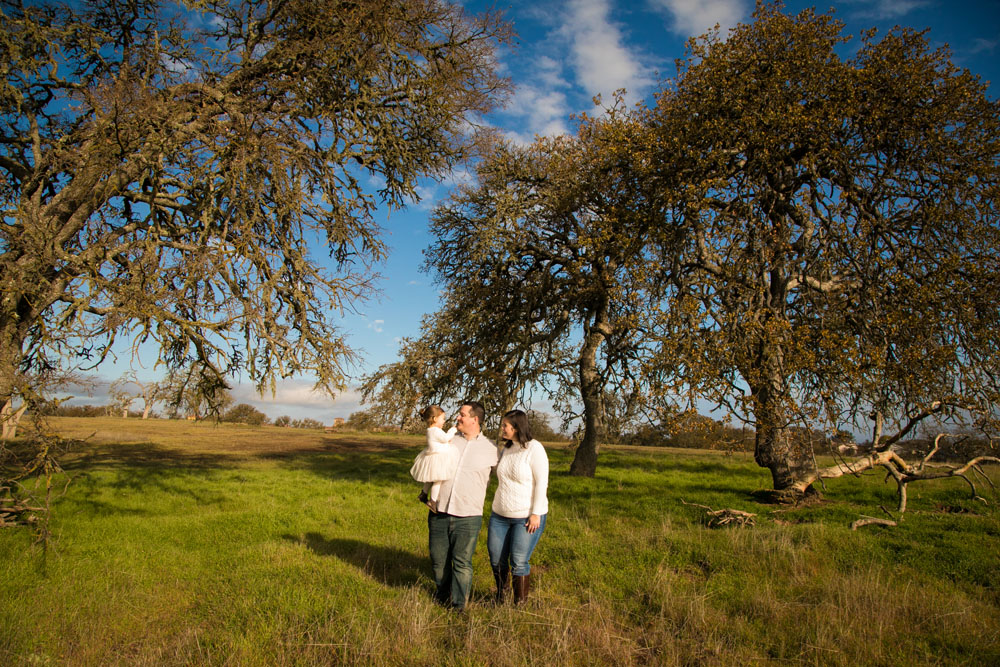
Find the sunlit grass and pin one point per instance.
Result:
(194, 544)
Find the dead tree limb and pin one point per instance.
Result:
(725, 517)
(870, 520)
(904, 474)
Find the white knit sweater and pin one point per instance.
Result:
(523, 473)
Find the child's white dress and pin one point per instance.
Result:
(439, 459)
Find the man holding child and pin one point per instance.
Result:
(454, 528)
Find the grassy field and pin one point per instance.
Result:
(184, 543)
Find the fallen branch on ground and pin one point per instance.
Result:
(725, 517)
(904, 473)
(869, 520)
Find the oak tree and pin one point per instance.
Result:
(198, 176)
(130, 388)
(833, 232)
(546, 281)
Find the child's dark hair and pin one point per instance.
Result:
(430, 413)
(522, 430)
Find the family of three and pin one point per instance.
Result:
(455, 468)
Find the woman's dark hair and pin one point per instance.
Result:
(522, 431)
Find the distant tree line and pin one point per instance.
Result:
(109, 410)
(306, 422)
(243, 413)
(375, 421)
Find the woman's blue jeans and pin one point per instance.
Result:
(510, 544)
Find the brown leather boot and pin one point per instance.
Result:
(501, 576)
(521, 586)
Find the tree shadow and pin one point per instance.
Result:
(149, 455)
(371, 461)
(393, 567)
(139, 467)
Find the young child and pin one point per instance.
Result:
(438, 460)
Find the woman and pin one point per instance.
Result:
(519, 505)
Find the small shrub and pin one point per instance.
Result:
(245, 414)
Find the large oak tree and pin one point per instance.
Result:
(841, 233)
(547, 285)
(200, 174)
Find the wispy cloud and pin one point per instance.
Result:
(458, 176)
(696, 17)
(543, 111)
(428, 196)
(887, 9)
(376, 325)
(981, 45)
(288, 393)
(601, 59)
(297, 398)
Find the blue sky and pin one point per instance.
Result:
(566, 52)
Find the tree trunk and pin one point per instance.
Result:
(9, 388)
(790, 462)
(592, 394)
(10, 418)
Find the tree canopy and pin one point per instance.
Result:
(840, 257)
(197, 174)
(543, 263)
(802, 239)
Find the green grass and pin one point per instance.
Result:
(181, 543)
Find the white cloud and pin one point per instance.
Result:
(297, 399)
(376, 325)
(601, 60)
(291, 393)
(889, 9)
(427, 195)
(459, 176)
(981, 45)
(550, 72)
(544, 111)
(178, 66)
(696, 17)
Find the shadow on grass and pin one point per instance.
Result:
(139, 468)
(147, 455)
(393, 567)
(388, 468)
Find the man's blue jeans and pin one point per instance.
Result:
(511, 544)
(452, 542)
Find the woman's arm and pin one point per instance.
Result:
(539, 463)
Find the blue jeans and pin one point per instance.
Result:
(511, 544)
(452, 542)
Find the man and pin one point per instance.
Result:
(454, 528)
